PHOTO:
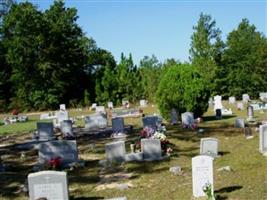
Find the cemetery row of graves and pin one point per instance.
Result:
(133, 153)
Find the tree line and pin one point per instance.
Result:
(46, 59)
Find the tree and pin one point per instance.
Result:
(245, 61)
(206, 48)
(183, 88)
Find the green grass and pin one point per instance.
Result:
(152, 180)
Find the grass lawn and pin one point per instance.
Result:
(151, 180)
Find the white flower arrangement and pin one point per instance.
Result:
(158, 135)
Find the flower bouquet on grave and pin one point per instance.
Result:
(164, 142)
(55, 163)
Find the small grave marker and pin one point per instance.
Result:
(115, 151)
(209, 146)
(263, 138)
(240, 123)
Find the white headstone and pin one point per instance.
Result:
(110, 105)
(232, 100)
(62, 107)
(66, 128)
(209, 146)
(51, 185)
(143, 103)
(100, 109)
(62, 115)
(263, 138)
(202, 174)
(94, 105)
(240, 106)
(187, 118)
(218, 102)
(245, 98)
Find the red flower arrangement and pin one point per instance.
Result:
(55, 163)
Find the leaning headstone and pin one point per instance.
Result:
(143, 103)
(232, 100)
(45, 131)
(64, 149)
(250, 112)
(239, 123)
(151, 149)
(263, 138)
(118, 125)
(187, 118)
(209, 146)
(174, 116)
(115, 151)
(66, 128)
(202, 174)
(245, 98)
(48, 185)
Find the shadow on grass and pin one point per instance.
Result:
(229, 189)
(85, 198)
(213, 117)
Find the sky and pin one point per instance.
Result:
(158, 27)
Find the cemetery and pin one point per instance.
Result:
(133, 100)
(89, 167)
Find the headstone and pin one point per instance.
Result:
(248, 132)
(263, 96)
(174, 116)
(218, 113)
(66, 128)
(118, 125)
(110, 105)
(209, 146)
(263, 138)
(151, 149)
(62, 115)
(125, 103)
(210, 102)
(143, 103)
(239, 123)
(218, 106)
(150, 121)
(232, 100)
(94, 105)
(65, 149)
(202, 174)
(245, 98)
(100, 109)
(240, 106)
(115, 151)
(118, 198)
(187, 118)
(250, 112)
(62, 107)
(51, 185)
(95, 121)
(45, 131)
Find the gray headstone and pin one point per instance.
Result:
(150, 121)
(51, 185)
(239, 123)
(151, 149)
(187, 118)
(202, 174)
(240, 106)
(65, 149)
(95, 121)
(66, 128)
(118, 125)
(115, 151)
(209, 146)
(250, 112)
(245, 98)
(247, 132)
(45, 131)
(174, 116)
(62, 115)
(263, 138)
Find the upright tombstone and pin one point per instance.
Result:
(110, 105)
(151, 149)
(100, 109)
(45, 131)
(240, 123)
(245, 98)
(64, 149)
(250, 112)
(143, 103)
(187, 118)
(248, 133)
(150, 121)
(115, 151)
(66, 128)
(218, 106)
(118, 125)
(48, 185)
(202, 174)
(95, 121)
(94, 105)
(263, 96)
(231, 100)
(240, 106)
(210, 102)
(209, 146)
(174, 116)
(62, 115)
(125, 103)
(62, 107)
(263, 139)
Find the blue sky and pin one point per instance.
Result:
(162, 28)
